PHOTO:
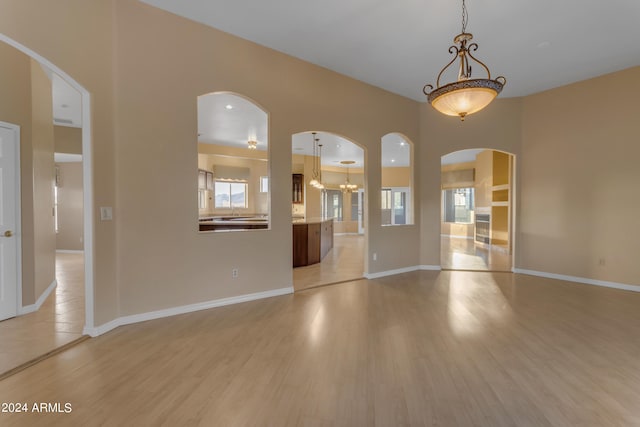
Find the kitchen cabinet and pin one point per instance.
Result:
(312, 241)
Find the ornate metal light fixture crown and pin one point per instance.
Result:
(466, 95)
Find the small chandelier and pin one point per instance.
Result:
(348, 187)
(252, 144)
(466, 95)
(317, 164)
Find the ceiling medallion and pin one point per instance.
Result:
(466, 95)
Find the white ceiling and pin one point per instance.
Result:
(67, 103)
(462, 156)
(334, 149)
(401, 46)
(234, 126)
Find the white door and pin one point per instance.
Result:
(9, 207)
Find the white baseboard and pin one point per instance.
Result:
(69, 251)
(584, 280)
(401, 270)
(452, 236)
(41, 299)
(143, 317)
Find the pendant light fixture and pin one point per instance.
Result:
(348, 187)
(466, 95)
(316, 180)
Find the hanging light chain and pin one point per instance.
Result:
(465, 17)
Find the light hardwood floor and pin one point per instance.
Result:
(422, 348)
(465, 254)
(58, 322)
(344, 262)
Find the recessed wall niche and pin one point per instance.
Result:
(396, 200)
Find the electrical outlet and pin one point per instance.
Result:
(375, 256)
(234, 273)
(602, 262)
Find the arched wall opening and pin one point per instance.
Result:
(397, 197)
(478, 210)
(87, 178)
(329, 189)
(233, 163)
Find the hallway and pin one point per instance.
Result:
(58, 322)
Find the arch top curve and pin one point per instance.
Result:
(243, 97)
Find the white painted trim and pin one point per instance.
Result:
(173, 311)
(41, 299)
(69, 251)
(584, 280)
(451, 236)
(431, 267)
(401, 270)
(18, 213)
(87, 174)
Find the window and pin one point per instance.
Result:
(458, 205)
(395, 205)
(264, 184)
(230, 194)
(355, 206)
(332, 204)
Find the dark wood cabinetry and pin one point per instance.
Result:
(297, 188)
(312, 241)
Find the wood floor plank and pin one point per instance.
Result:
(421, 348)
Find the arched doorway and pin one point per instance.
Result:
(477, 210)
(328, 188)
(48, 72)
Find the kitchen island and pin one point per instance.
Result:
(312, 240)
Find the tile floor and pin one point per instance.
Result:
(58, 322)
(344, 262)
(465, 254)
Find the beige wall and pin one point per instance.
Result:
(82, 45)
(579, 180)
(396, 177)
(180, 266)
(70, 210)
(15, 107)
(68, 139)
(497, 127)
(144, 86)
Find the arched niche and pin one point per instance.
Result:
(397, 207)
(233, 164)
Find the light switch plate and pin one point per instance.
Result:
(106, 213)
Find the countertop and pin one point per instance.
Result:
(317, 220)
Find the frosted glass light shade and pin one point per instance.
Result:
(464, 97)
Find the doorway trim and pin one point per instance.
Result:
(87, 176)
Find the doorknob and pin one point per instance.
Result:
(8, 233)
